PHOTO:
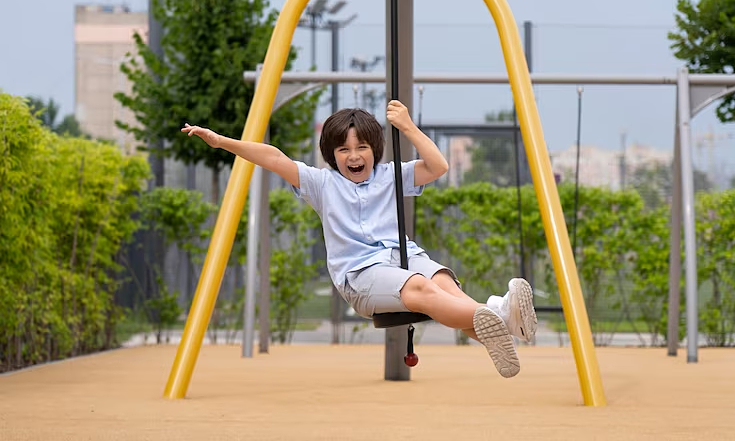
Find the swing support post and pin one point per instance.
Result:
(232, 204)
(570, 290)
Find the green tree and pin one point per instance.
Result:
(206, 47)
(179, 216)
(70, 126)
(493, 157)
(290, 273)
(705, 39)
(47, 113)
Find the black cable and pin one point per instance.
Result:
(395, 134)
(421, 128)
(576, 173)
(517, 152)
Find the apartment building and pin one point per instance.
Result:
(599, 167)
(103, 36)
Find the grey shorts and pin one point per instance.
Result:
(377, 288)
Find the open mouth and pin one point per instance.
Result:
(356, 169)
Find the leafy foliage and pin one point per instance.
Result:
(474, 229)
(716, 264)
(290, 270)
(47, 113)
(206, 47)
(163, 310)
(705, 39)
(66, 209)
(178, 214)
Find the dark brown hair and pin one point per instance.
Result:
(334, 133)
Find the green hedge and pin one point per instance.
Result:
(66, 209)
(622, 252)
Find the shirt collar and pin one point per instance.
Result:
(365, 182)
(369, 179)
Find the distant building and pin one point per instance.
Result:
(459, 157)
(604, 168)
(103, 36)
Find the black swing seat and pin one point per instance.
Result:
(391, 319)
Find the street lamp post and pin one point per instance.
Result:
(314, 20)
(363, 65)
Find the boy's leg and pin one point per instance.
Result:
(515, 308)
(423, 295)
(446, 282)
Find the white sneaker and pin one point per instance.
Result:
(516, 309)
(494, 335)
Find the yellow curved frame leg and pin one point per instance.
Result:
(555, 228)
(233, 203)
(237, 188)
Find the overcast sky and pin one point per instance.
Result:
(570, 36)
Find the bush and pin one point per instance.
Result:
(66, 209)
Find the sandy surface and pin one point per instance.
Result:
(338, 392)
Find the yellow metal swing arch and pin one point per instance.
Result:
(235, 195)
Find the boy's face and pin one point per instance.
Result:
(355, 159)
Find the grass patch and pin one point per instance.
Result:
(604, 326)
(308, 325)
(315, 308)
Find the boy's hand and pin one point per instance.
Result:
(398, 116)
(207, 135)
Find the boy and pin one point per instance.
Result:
(356, 203)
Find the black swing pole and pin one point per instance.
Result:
(517, 154)
(410, 359)
(394, 319)
(395, 134)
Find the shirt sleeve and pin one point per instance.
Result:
(407, 172)
(311, 180)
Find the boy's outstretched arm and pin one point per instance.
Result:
(432, 164)
(264, 155)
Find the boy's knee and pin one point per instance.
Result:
(416, 284)
(417, 291)
(443, 277)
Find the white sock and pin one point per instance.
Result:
(495, 303)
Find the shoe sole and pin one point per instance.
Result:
(494, 335)
(524, 304)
